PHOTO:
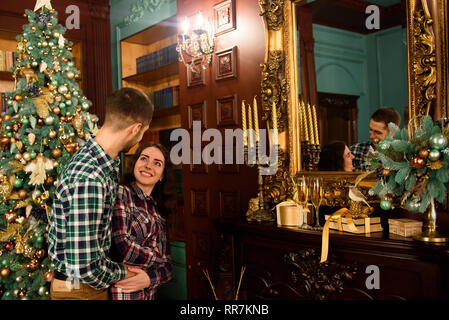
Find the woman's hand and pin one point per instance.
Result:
(138, 282)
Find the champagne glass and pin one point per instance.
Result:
(303, 198)
(316, 196)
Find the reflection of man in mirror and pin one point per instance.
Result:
(378, 130)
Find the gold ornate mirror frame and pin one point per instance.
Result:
(427, 82)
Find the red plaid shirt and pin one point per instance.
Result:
(139, 237)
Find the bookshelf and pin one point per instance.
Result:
(159, 74)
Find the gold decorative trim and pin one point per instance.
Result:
(273, 13)
(336, 186)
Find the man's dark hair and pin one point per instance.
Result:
(387, 115)
(331, 157)
(127, 106)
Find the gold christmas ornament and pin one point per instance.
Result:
(33, 265)
(56, 153)
(52, 134)
(42, 103)
(18, 97)
(38, 169)
(28, 251)
(40, 253)
(71, 147)
(10, 216)
(70, 74)
(49, 181)
(28, 73)
(26, 156)
(31, 138)
(56, 110)
(23, 194)
(5, 272)
(21, 293)
(48, 276)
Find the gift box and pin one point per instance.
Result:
(290, 214)
(360, 225)
(405, 227)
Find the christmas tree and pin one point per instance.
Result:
(47, 119)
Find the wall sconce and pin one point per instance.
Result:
(196, 43)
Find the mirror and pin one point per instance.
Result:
(421, 24)
(359, 61)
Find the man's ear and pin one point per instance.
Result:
(135, 128)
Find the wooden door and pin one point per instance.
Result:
(214, 97)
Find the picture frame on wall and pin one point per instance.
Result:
(224, 17)
(226, 64)
(198, 78)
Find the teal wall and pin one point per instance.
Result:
(373, 67)
(131, 16)
(127, 18)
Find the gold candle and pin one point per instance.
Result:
(250, 125)
(304, 121)
(315, 126)
(310, 121)
(275, 123)
(256, 119)
(245, 137)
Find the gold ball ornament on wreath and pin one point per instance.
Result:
(18, 97)
(424, 153)
(417, 162)
(386, 172)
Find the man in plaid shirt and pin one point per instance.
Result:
(79, 235)
(378, 130)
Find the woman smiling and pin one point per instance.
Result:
(146, 196)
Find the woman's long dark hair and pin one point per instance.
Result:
(164, 192)
(331, 157)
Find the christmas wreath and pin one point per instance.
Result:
(413, 166)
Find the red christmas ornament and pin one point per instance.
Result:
(8, 246)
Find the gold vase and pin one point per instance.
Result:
(430, 233)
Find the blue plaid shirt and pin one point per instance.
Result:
(361, 152)
(79, 236)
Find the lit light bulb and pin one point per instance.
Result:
(199, 21)
(185, 26)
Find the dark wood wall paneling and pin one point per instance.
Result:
(94, 34)
(215, 191)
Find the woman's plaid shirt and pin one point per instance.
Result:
(79, 236)
(139, 237)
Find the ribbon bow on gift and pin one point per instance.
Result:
(336, 216)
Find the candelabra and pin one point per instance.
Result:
(252, 157)
(196, 44)
(310, 143)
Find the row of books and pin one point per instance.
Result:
(6, 60)
(3, 102)
(157, 59)
(165, 98)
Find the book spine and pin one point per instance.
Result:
(3, 102)
(2, 61)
